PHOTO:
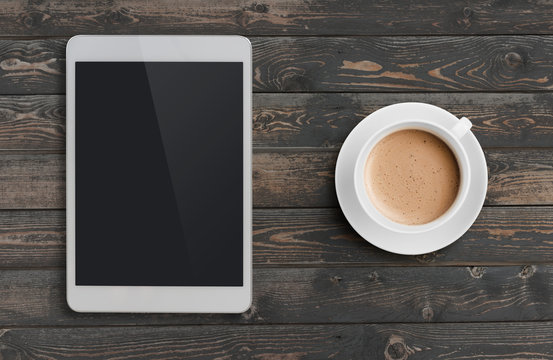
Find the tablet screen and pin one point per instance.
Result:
(159, 173)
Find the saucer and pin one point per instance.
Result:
(409, 243)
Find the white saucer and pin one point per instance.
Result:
(405, 243)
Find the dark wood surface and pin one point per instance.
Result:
(338, 64)
(319, 294)
(320, 291)
(310, 342)
(273, 17)
(285, 177)
(315, 120)
(314, 237)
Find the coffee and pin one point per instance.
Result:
(411, 177)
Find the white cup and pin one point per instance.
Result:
(450, 136)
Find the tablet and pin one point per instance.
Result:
(159, 174)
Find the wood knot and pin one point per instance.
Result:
(113, 16)
(252, 313)
(28, 21)
(527, 271)
(260, 8)
(33, 19)
(396, 349)
(373, 276)
(263, 120)
(427, 258)
(465, 19)
(336, 279)
(513, 59)
(427, 313)
(476, 271)
(120, 16)
(10, 64)
(516, 124)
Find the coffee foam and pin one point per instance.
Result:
(411, 177)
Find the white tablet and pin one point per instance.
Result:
(159, 174)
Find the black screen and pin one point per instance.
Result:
(159, 173)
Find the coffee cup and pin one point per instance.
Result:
(450, 135)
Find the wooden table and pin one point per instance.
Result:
(320, 291)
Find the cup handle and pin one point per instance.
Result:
(462, 128)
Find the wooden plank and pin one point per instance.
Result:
(319, 295)
(500, 235)
(32, 181)
(500, 63)
(284, 178)
(32, 238)
(513, 176)
(272, 17)
(360, 64)
(287, 178)
(32, 122)
(32, 66)
(37, 122)
(525, 340)
(325, 120)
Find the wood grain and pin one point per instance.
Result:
(32, 238)
(500, 235)
(316, 283)
(32, 181)
(33, 122)
(320, 237)
(499, 63)
(284, 178)
(37, 122)
(325, 120)
(512, 176)
(390, 342)
(272, 17)
(32, 66)
(360, 64)
(319, 295)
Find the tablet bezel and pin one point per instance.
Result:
(191, 299)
